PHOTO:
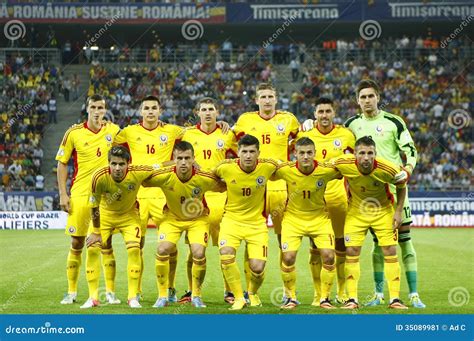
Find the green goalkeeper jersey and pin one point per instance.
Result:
(390, 134)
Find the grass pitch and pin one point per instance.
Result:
(33, 277)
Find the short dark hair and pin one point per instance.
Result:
(323, 100)
(206, 100)
(151, 98)
(95, 98)
(183, 146)
(264, 86)
(305, 141)
(119, 151)
(365, 141)
(367, 83)
(248, 140)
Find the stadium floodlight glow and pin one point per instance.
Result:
(95, 48)
(112, 48)
(244, 93)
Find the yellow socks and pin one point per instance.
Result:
(392, 274)
(172, 274)
(341, 277)
(162, 269)
(256, 281)
(198, 272)
(328, 272)
(352, 271)
(133, 270)
(232, 275)
(288, 275)
(93, 271)
(108, 264)
(315, 266)
(73, 265)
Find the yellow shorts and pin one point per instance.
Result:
(151, 208)
(232, 233)
(128, 224)
(319, 229)
(216, 202)
(357, 225)
(336, 204)
(79, 216)
(197, 231)
(275, 204)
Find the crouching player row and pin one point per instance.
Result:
(114, 206)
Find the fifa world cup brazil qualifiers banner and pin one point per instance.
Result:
(442, 209)
(31, 211)
(117, 14)
(348, 11)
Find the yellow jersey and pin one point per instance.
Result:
(273, 134)
(210, 148)
(370, 190)
(306, 191)
(184, 200)
(246, 191)
(121, 196)
(89, 152)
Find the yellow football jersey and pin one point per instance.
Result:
(246, 191)
(337, 142)
(210, 148)
(89, 151)
(117, 196)
(370, 190)
(184, 200)
(150, 147)
(306, 191)
(273, 135)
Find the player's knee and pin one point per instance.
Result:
(142, 242)
(404, 228)
(390, 250)
(289, 258)
(199, 252)
(327, 257)
(164, 249)
(257, 266)
(77, 242)
(227, 251)
(314, 256)
(353, 251)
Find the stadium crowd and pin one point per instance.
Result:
(27, 104)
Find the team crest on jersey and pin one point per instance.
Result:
(196, 191)
(220, 144)
(284, 246)
(164, 138)
(71, 229)
(320, 183)
(108, 138)
(376, 183)
(92, 199)
(337, 143)
(378, 129)
(156, 166)
(260, 181)
(131, 187)
(347, 238)
(162, 236)
(222, 242)
(280, 128)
